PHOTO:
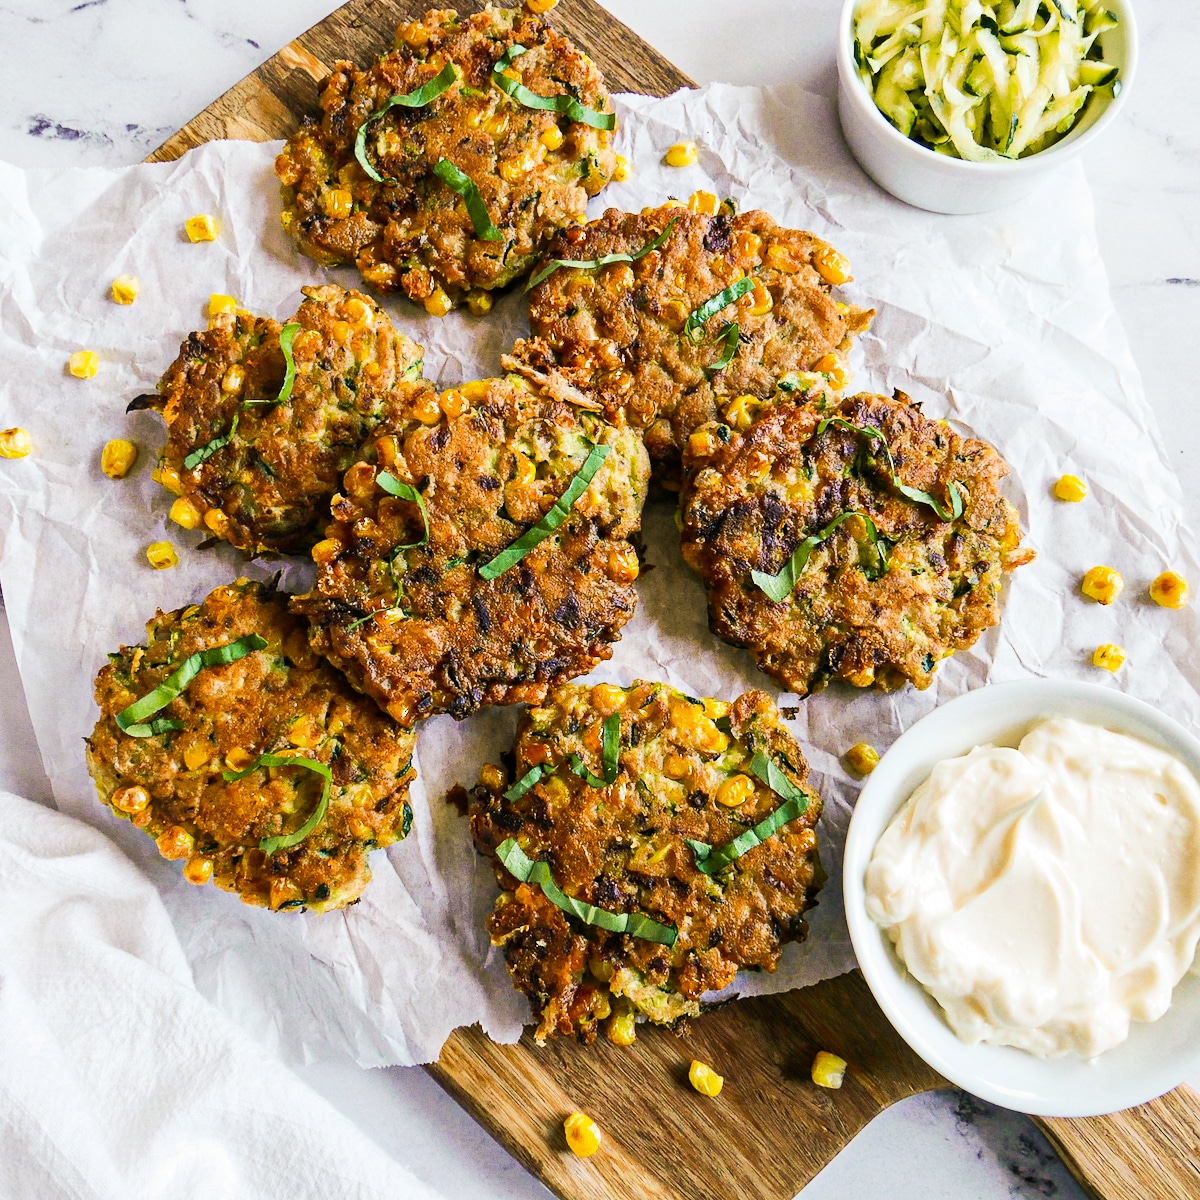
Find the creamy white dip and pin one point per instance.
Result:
(1046, 896)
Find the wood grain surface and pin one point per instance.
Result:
(771, 1130)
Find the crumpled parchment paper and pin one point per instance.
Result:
(1000, 322)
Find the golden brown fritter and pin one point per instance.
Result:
(619, 332)
(750, 499)
(257, 471)
(411, 621)
(281, 700)
(684, 774)
(534, 170)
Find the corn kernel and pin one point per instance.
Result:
(198, 870)
(552, 138)
(682, 154)
(438, 304)
(337, 203)
(238, 759)
(216, 521)
(513, 170)
(741, 411)
(735, 791)
(704, 1079)
(117, 458)
(200, 228)
(703, 202)
(716, 709)
(303, 732)
(746, 244)
(607, 698)
(703, 443)
(620, 169)
(621, 1029)
(583, 1134)
(169, 478)
(861, 758)
(219, 304)
(15, 443)
(233, 379)
(479, 302)
(831, 367)
(195, 756)
(676, 766)
(83, 364)
(1109, 657)
(175, 842)
(416, 35)
(761, 300)
(492, 777)
(828, 1070)
(476, 390)
(1170, 590)
(184, 512)
(125, 289)
(1071, 488)
(427, 410)
(283, 891)
(623, 565)
(326, 551)
(453, 403)
(131, 800)
(161, 555)
(833, 267)
(1102, 584)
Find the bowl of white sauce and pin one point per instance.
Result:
(1022, 885)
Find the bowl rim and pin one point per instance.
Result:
(1062, 150)
(1061, 1087)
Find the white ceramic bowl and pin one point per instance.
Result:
(919, 176)
(1157, 1056)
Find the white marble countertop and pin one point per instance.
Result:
(102, 82)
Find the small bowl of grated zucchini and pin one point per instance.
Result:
(961, 106)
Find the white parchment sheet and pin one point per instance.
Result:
(1001, 322)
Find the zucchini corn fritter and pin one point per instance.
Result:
(257, 470)
(684, 773)
(620, 333)
(411, 231)
(410, 618)
(281, 700)
(884, 595)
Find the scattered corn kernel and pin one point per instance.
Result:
(169, 478)
(195, 756)
(1102, 584)
(198, 870)
(1109, 657)
(703, 202)
(219, 304)
(125, 289)
(862, 758)
(552, 138)
(1170, 590)
(682, 154)
(621, 1029)
(1070, 487)
(117, 458)
(185, 513)
(735, 791)
(828, 1070)
(217, 521)
(479, 302)
(621, 169)
(438, 304)
(833, 267)
(83, 364)
(131, 800)
(15, 443)
(200, 228)
(161, 555)
(492, 777)
(583, 1134)
(704, 1079)
(175, 842)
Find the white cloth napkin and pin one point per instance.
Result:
(118, 1080)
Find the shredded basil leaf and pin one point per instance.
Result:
(589, 264)
(557, 514)
(611, 756)
(729, 338)
(565, 106)
(779, 587)
(454, 179)
(581, 769)
(418, 98)
(915, 494)
(519, 865)
(405, 491)
(528, 780)
(205, 452)
(285, 841)
(712, 861)
(693, 327)
(131, 719)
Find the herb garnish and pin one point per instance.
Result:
(636, 925)
(611, 757)
(780, 586)
(285, 841)
(565, 106)
(405, 491)
(729, 333)
(132, 719)
(588, 264)
(418, 98)
(531, 777)
(205, 452)
(557, 514)
(464, 185)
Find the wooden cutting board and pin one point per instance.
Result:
(771, 1130)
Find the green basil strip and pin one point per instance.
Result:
(779, 587)
(611, 756)
(728, 337)
(693, 327)
(581, 769)
(565, 106)
(454, 179)
(287, 335)
(205, 452)
(425, 94)
(559, 510)
(521, 867)
(712, 861)
(528, 780)
(405, 491)
(589, 264)
(285, 841)
(915, 494)
(131, 720)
